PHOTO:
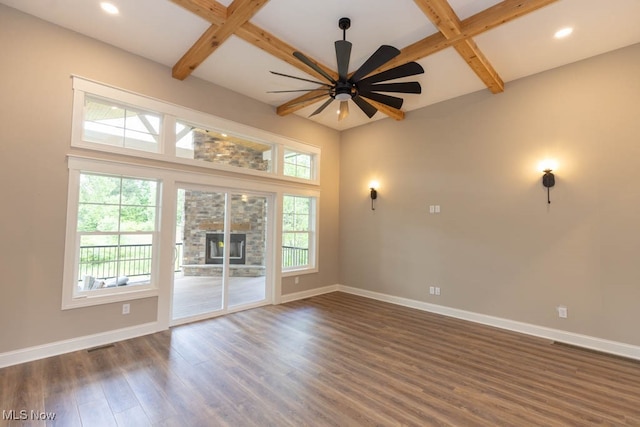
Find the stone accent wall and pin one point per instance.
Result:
(203, 213)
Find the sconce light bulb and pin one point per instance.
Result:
(548, 165)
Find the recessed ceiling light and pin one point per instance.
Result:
(562, 33)
(110, 8)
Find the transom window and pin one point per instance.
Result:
(107, 122)
(298, 165)
(117, 121)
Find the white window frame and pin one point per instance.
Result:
(312, 266)
(71, 296)
(170, 113)
(312, 169)
(157, 145)
(273, 181)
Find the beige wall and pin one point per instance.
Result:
(497, 248)
(37, 60)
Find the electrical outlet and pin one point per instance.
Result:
(437, 291)
(432, 209)
(296, 280)
(126, 308)
(437, 209)
(563, 312)
(432, 290)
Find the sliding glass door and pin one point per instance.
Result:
(247, 253)
(221, 261)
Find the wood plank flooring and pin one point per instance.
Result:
(335, 359)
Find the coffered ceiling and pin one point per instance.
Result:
(463, 45)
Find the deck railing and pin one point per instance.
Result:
(292, 256)
(109, 261)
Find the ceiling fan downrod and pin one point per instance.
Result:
(344, 24)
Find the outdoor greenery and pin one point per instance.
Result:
(296, 227)
(116, 220)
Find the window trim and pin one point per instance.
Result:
(70, 297)
(170, 113)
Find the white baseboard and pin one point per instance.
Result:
(585, 341)
(74, 344)
(307, 294)
(89, 341)
(81, 343)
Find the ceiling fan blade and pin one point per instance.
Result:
(405, 70)
(391, 101)
(299, 78)
(322, 107)
(313, 65)
(344, 110)
(296, 90)
(367, 108)
(401, 87)
(343, 53)
(384, 54)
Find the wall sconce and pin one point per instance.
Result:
(548, 179)
(373, 186)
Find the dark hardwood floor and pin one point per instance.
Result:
(335, 359)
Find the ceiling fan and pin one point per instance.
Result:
(356, 87)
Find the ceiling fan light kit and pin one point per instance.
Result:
(358, 87)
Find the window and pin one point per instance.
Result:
(298, 232)
(113, 224)
(107, 122)
(297, 164)
(205, 145)
(113, 120)
(113, 240)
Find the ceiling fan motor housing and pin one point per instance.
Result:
(344, 91)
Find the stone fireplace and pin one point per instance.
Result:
(215, 248)
(203, 238)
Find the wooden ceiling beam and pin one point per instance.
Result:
(480, 65)
(394, 113)
(238, 12)
(460, 33)
(300, 102)
(445, 19)
(281, 50)
(212, 12)
(216, 13)
(209, 10)
(497, 14)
